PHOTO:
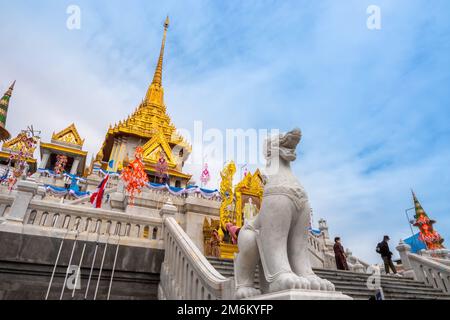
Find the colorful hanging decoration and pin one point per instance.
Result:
(27, 145)
(162, 167)
(207, 194)
(62, 192)
(205, 176)
(428, 235)
(61, 162)
(134, 175)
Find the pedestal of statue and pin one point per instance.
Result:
(298, 294)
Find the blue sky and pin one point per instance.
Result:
(373, 105)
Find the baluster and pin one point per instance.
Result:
(195, 288)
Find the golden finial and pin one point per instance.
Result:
(157, 79)
(166, 23)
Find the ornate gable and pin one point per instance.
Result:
(69, 135)
(16, 144)
(154, 147)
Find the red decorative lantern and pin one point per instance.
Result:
(134, 175)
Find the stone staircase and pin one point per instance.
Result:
(354, 284)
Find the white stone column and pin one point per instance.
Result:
(44, 161)
(404, 250)
(113, 154)
(25, 192)
(76, 163)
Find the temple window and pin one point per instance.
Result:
(127, 230)
(55, 219)
(88, 224)
(43, 219)
(77, 223)
(138, 229)
(155, 233)
(118, 227)
(32, 217)
(97, 226)
(178, 184)
(108, 227)
(146, 232)
(66, 222)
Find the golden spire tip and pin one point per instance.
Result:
(167, 22)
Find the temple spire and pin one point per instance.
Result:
(157, 78)
(4, 104)
(155, 93)
(428, 235)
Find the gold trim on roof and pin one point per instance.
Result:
(171, 172)
(16, 144)
(52, 146)
(151, 115)
(153, 148)
(251, 185)
(69, 135)
(6, 155)
(226, 192)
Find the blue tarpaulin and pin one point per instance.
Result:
(415, 244)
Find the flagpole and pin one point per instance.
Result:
(101, 268)
(92, 266)
(68, 267)
(56, 264)
(114, 267)
(78, 274)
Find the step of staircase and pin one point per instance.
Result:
(354, 284)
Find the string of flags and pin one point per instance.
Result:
(207, 194)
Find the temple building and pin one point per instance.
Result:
(15, 145)
(150, 127)
(69, 144)
(170, 241)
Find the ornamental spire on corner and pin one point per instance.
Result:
(155, 94)
(428, 235)
(4, 104)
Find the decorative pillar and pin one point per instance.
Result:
(168, 210)
(113, 155)
(121, 152)
(25, 192)
(323, 227)
(404, 250)
(74, 169)
(44, 161)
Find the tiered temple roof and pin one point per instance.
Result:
(151, 124)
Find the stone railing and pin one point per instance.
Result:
(425, 269)
(186, 274)
(314, 243)
(76, 218)
(430, 272)
(329, 261)
(41, 217)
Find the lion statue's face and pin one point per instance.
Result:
(283, 146)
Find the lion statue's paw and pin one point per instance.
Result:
(288, 281)
(246, 292)
(317, 283)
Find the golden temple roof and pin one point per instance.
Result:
(151, 115)
(16, 144)
(69, 136)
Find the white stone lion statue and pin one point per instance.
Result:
(276, 238)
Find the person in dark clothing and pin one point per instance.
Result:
(386, 255)
(340, 256)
